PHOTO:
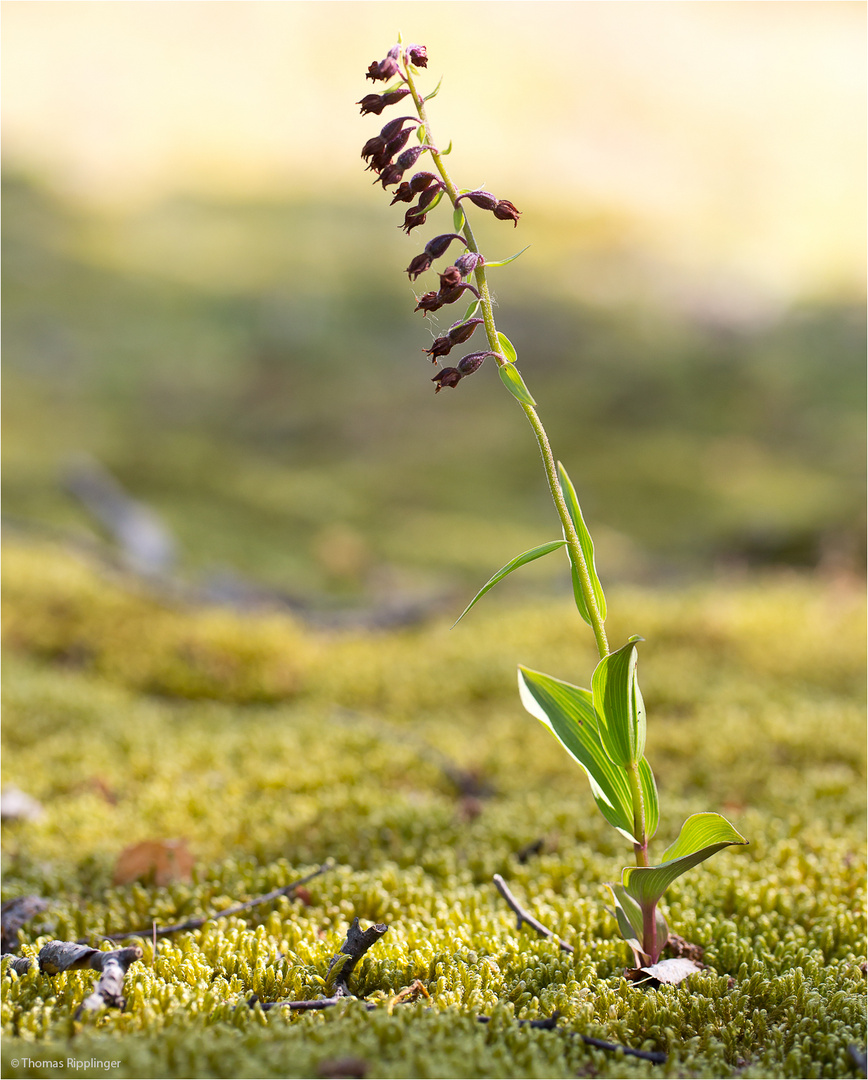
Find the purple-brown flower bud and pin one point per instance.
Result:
(382, 70)
(449, 376)
(450, 295)
(375, 103)
(398, 142)
(505, 211)
(473, 362)
(390, 130)
(429, 195)
(439, 244)
(468, 262)
(483, 199)
(462, 331)
(408, 159)
(420, 180)
(417, 55)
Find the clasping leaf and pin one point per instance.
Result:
(619, 706)
(587, 546)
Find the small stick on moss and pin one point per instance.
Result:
(550, 1023)
(57, 956)
(236, 909)
(340, 968)
(524, 917)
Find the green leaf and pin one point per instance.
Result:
(515, 384)
(505, 262)
(507, 347)
(619, 706)
(701, 836)
(471, 310)
(513, 564)
(568, 712)
(433, 93)
(650, 799)
(457, 219)
(587, 546)
(448, 149)
(628, 913)
(420, 133)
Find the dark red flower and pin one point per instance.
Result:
(429, 301)
(420, 180)
(382, 70)
(414, 217)
(375, 103)
(439, 347)
(390, 130)
(417, 55)
(449, 376)
(439, 244)
(462, 331)
(450, 295)
(507, 212)
(419, 265)
(404, 193)
(450, 277)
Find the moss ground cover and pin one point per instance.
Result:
(270, 749)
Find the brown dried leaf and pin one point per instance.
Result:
(156, 862)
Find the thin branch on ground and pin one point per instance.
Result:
(550, 1023)
(194, 924)
(340, 968)
(525, 917)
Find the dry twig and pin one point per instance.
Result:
(524, 917)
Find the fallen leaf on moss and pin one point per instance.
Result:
(669, 972)
(154, 861)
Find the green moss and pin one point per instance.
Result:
(271, 749)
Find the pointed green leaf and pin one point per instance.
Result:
(448, 149)
(650, 799)
(515, 384)
(619, 706)
(471, 310)
(701, 836)
(513, 564)
(433, 93)
(458, 220)
(505, 262)
(507, 347)
(587, 546)
(568, 712)
(420, 133)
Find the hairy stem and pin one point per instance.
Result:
(576, 553)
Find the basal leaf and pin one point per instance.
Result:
(507, 347)
(701, 836)
(505, 262)
(513, 564)
(628, 914)
(568, 712)
(515, 384)
(619, 706)
(587, 546)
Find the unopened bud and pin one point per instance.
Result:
(468, 262)
(439, 244)
(420, 180)
(483, 199)
(390, 130)
(473, 362)
(463, 331)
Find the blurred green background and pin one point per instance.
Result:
(204, 294)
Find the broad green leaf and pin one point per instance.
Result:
(507, 347)
(457, 219)
(471, 311)
(515, 384)
(433, 93)
(587, 546)
(701, 836)
(628, 914)
(513, 564)
(505, 262)
(619, 706)
(568, 712)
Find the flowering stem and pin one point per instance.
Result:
(576, 553)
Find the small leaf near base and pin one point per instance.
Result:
(667, 972)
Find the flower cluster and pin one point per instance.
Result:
(387, 155)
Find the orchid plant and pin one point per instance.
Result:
(602, 728)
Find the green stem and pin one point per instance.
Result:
(638, 799)
(576, 553)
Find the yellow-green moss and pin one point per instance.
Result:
(270, 749)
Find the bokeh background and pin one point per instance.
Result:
(205, 297)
